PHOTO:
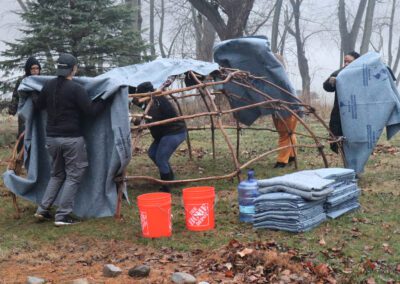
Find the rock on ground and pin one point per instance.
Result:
(183, 278)
(110, 270)
(139, 271)
(35, 280)
(80, 281)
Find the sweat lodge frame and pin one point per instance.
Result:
(204, 89)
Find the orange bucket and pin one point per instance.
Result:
(199, 208)
(155, 214)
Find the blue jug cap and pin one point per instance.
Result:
(250, 174)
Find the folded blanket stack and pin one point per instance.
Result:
(306, 184)
(287, 212)
(345, 196)
(300, 201)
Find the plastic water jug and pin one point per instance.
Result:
(247, 192)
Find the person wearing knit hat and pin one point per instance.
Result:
(32, 67)
(167, 137)
(335, 124)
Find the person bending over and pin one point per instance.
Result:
(167, 137)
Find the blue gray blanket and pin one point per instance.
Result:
(107, 136)
(253, 54)
(368, 101)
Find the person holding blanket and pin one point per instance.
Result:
(329, 85)
(66, 102)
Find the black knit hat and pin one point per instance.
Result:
(354, 54)
(29, 63)
(145, 87)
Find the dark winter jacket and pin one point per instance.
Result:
(160, 110)
(66, 102)
(334, 123)
(13, 106)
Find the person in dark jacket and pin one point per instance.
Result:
(32, 67)
(329, 85)
(167, 137)
(66, 102)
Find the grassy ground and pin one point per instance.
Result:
(357, 246)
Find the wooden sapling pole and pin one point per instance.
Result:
(187, 135)
(237, 138)
(219, 121)
(15, 164)
(209, 110)
(284, 105)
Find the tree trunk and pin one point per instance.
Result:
(152, 47)
(349, 38)
(275, 26)
(301, 56)
(161, 30)
(391, 23)
(237, 13)
(369, 17)
(205, 37)
(135, 7)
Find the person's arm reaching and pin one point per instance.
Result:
(86, 105)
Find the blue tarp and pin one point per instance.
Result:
(368, 101)
(108, 136)
(253, 54)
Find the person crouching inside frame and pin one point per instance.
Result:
(167, 137)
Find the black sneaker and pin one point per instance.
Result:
(66, 221)
(44, 216)
(279, 165)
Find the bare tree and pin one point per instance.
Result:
(152, 43)
(22, 4)
(236, 11)
(301, 54)
(369, 18)
(135, 6)
(349, 38)
(161, 30)
(275, 25)
(205, 36)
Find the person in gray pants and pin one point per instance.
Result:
(66, 102)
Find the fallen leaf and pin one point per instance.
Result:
(228, 265)
(322, 242)
(234, 243)
(229, 274)
(398, 267)
(330, 280)
(368, 248)
(322, 270)
(369, 265)
(286, 272)
(370, 281)
(245, 252)
(387, 248)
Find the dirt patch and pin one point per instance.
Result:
(73, 258)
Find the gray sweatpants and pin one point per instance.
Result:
(68, 164)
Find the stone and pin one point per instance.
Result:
(35, 280)
(139, 271)
(110, 270)
(204, 282)
(80, 281)
(183, 278)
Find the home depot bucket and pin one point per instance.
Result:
(155, 214)
(199, 207)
